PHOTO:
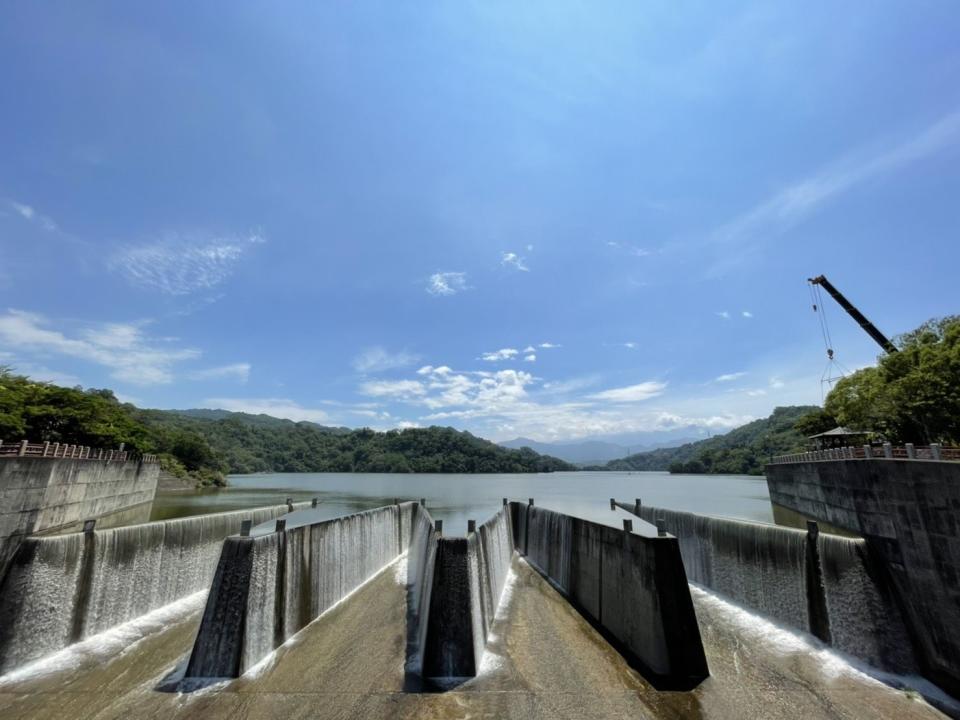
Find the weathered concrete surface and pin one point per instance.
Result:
(57, 494)
(909, 513)
(631, 586)
(546, 662)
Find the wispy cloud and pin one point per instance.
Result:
(794, 203)
(183, 264)
(729, 377)
(747, 314)
(124, 348)
(30, 214)
(500, 355)
(447, 283)
(236, 371)
(277, 407)
(549, 345)
(377, 359)
(400, 389)
(723, 314)
(632, 393)
(512, 260)
(629, 248)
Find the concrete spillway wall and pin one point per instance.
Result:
(42, 494)
(60, 589)
(908, 512)
(630, 586)
(468, 581)
(268, 587)
(823, 584)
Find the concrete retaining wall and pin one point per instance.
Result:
(63, 588)
(40, 494)
(633, 588)
(908, 511)
(268, 587)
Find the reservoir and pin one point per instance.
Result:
(457, 498)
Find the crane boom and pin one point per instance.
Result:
(862, 321)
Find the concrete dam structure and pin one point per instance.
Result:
(630, 585)
(57, 493)
(60, 589)
(823, 584)
(908, 513)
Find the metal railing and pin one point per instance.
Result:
(23, 448)
(886, 451)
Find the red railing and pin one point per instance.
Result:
(867, 452)
(66, 450)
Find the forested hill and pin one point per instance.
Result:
(204, 445)
(743, 450)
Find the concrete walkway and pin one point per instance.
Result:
(545, 661)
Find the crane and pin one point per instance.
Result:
(871, 329)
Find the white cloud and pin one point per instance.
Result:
(236, 371)
(747, 314)
(529, 248)
(400, 389)
(631, 345)
(183, 264)
(729, 376)
(30, 214)
(377, 359)
(447, 283)
(530, 358)
(759, 392)
(795, 202)
(407, 424)
(498, 355)
(529, 349)
(509, 259)
(549, 345)
(632, 393)
(41, 373)
(776, 383)
(277, 407)
(723, 314)
(630, 248)
(123, 348)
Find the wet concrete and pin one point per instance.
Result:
(544, 660)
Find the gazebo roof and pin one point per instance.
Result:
(838, 432)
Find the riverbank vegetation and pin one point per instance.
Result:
(203, 446)
(742, 451)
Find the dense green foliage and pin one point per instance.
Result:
(744, 450)
(910, 396)
(205, 444)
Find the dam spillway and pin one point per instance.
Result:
(537, 650)
(823, 584)
(60, 589)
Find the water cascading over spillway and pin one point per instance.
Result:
(60, 589)
(823, 584)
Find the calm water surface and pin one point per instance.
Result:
(455, 498)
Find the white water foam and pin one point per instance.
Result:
(833, 664)
(490, 661)
(110, 644)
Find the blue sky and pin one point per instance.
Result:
(554, 220)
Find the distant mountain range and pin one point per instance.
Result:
(591, 452)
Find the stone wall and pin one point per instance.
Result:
(44, 494)
(908, 511)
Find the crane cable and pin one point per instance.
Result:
(818, 308)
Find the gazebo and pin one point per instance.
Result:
(839, 437)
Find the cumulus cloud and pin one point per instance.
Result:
(632, 393)
(499, 355)
(183, 264)
(277, 407)
(728, 377)
(530, 358)
(236, 371)
(125, 349)
(447, 283)
(747, 314)
(549, 345)
(512, 260)
(377, 359)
